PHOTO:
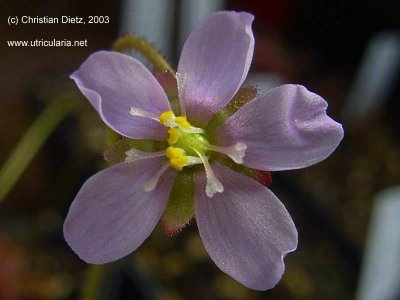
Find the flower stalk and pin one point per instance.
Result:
(139, 44)
(94, 274)
(32, 142)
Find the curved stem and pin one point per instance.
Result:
(94, 274)
(144, 47)
(31, 143)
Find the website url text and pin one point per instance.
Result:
(47, 43)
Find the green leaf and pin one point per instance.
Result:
(180, 207)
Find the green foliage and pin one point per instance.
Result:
(180, 207)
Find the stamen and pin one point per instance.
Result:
(185, 126)
(182, 80)
(152, 182)
(213, 184)
(177, 158)
(235, 152)
(135, 154)
(137, 112)
(166, 115)
(169, 119)
(173, 136)
(182, 122)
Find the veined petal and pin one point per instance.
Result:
(214, 63)
(112, 214)
(246, 230)
(284, 128)
(114, 83)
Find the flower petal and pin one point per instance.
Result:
(214, 63)
(169, 84)
(113, 83)
(246, 230)
(284, 128)
(112, 214)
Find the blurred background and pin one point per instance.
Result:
(346, 208)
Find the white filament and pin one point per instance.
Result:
(193, 160)
(137, 112)
(235, 152)
(152, 182)
(213, 184)
(192, 129)
(135, 155)
(171, 122)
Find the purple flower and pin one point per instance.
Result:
(244, 227)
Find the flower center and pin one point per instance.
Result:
(187, 146)
(187, 143)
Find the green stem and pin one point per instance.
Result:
(144, 47)
(31, 142)
(94, 275)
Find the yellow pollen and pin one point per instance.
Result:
(183, 122)
(166, 116)
(188, 140)
(173, 135)
(177, 158)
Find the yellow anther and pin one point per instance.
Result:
(173, 151)
(173, 135)
(182, 122)
(177, 158)
(166, 116)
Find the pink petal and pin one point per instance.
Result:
(115, 82)
(284, 128)
(112, 214)
(214, 63)
(246, 230)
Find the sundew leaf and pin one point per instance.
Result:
(180, 207)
